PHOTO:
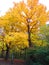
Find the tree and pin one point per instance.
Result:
(25, 17)
(15, 41)
(44, 31)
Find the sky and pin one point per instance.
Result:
(6, 4)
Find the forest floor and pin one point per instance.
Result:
(9, 62)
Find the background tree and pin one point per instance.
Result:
(15, 41)
(44, 32)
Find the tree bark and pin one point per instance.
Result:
(29, 36)
(7, 52)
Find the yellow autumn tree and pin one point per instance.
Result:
(25, 17)
(21, 20)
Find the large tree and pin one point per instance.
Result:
(25, 17)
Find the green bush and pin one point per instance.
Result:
(38, 56)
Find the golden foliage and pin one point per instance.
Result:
(17, 19)
(17, 39)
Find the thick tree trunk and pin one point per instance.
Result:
(7, 52)
(29, 36)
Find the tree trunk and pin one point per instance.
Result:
(7, 52)
(29, 36)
